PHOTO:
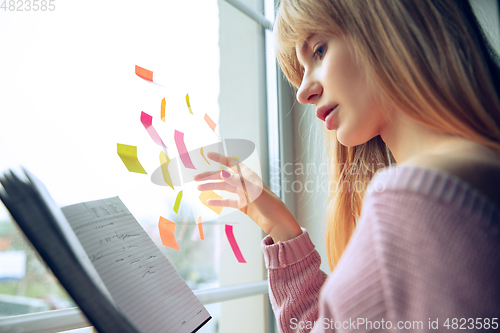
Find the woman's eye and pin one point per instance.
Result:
(320, 52)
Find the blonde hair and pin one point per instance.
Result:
(428, 58)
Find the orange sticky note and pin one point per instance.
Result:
(167, 233)
(200, 228)
(210, 122)
(144, 73)
(201, 152)
(163, 103)
(205, 195)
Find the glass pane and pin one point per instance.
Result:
(26, 285)
(70, 95)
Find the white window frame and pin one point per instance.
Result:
(73, 318)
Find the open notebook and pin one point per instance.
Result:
(105, 260)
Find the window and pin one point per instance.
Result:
(70, 95)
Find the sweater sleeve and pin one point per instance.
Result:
(295, 280)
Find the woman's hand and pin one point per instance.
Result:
(255, 198)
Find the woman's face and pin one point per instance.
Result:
(336, 85)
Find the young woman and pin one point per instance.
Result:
(412, 82)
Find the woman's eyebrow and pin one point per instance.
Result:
(306, 44)
(303, 49)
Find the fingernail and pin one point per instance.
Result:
(225, 174)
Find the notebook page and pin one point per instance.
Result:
(30, 212)
(59, 218)
(143, 283)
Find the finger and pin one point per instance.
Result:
(231, 178)
(232, 203)
(208, 175)
(223, 159)
(220, 186)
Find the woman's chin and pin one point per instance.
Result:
(350, 139)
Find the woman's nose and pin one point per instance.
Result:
(309, 91)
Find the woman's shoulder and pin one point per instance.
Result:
(476, 166)
(467, 186)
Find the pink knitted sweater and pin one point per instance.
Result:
(425, 256)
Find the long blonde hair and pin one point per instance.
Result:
(428, 58)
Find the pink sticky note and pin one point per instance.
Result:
(147, 121)
(234, 245)
(181, 147)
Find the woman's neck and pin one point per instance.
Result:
(408, 140)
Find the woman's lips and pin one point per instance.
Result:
(323, 111)
(330, 118)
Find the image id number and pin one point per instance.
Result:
(471, 323)
(28, 5)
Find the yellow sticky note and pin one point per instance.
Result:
(167, 233)
(201, 151)
(189, 105)
(163, 103)
(200, 228)
(177, 202)
(205, 195)
(164, 161)
(128, 155)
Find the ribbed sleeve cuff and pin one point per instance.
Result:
(287, 253)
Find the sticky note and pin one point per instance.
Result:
(177, 202)
(163, 104)
(210, 122)
(167, 233)
(201, 152)
(234, 244)
(181, 147)
(164, 161)
(144, 73)
(128, 155)
(200, 228)
(189, 105)
(205, 195)
(147, 121)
